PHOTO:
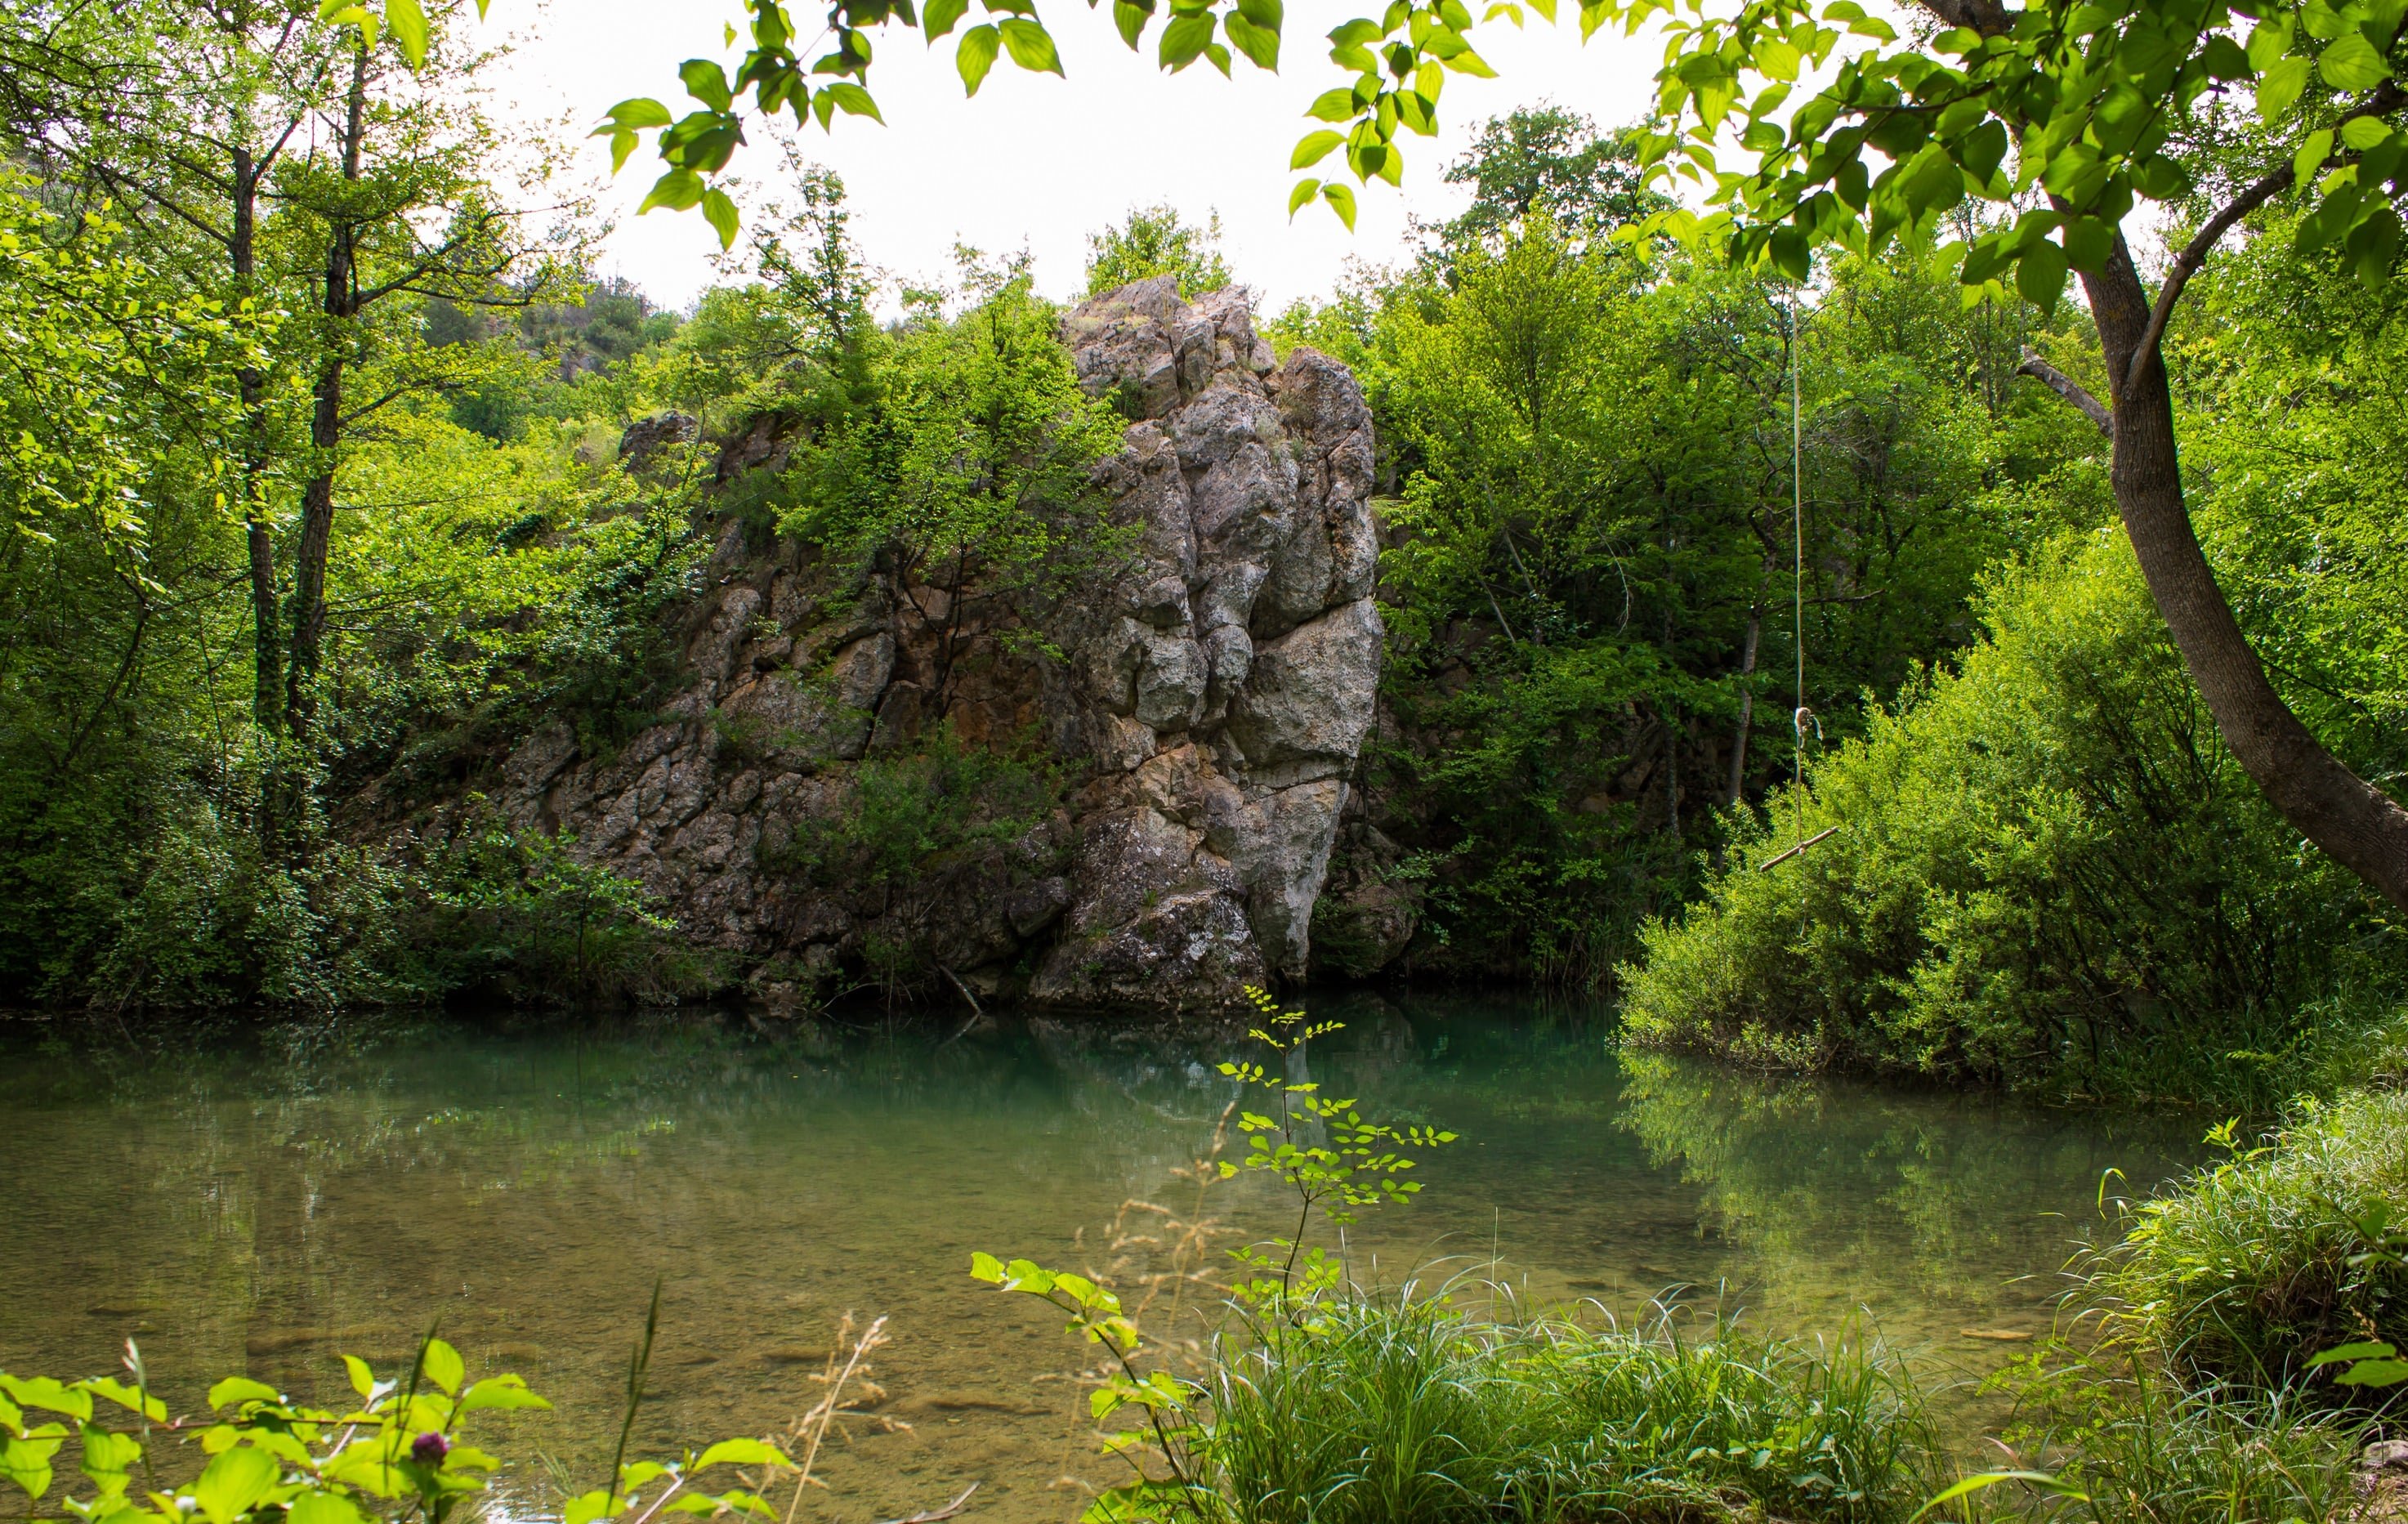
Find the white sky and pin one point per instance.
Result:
(1037, 162)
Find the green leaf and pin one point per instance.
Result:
(2375, 1372)
(1260, 44)
(2279, 86)
(2225, 59)
(235, 1483)
(853, 101)
(2367, 1350)
(2087, 242)
(322, 1508)
(2363, 133)
(987, 1267)
(2311, 155)
(1313, 148)
(46, 1392)
(235, 1389)
(363, 1379)
(2041, 274)
(408, 21)
(636, 114)
(741, 1452)
(1992, 1478)
(1339, 105)
(2373, 244)
(1030, 46)
(26, 1462)
(719, 211)
(107, 1457)
(677, 190)
(707, 82)
(132, 1399)
(940, 16)
(2349, 62)
(1342, 201)
(441, 1364)
(1184, 41)
(976, 55)
(512, 1391)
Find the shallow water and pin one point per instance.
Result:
(266, 1204)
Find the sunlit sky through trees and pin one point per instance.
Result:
(1037, 162)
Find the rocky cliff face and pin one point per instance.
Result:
(1206, 706)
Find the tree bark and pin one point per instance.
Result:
(1746, 703)
(2357, 823)
(340, 304)
(267, 654)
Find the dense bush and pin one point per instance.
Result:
(2254, 1266)
(2043, 867)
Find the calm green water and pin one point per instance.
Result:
(324, 1190)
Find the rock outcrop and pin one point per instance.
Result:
(1208, 703)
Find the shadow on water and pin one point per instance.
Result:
(265, 1199)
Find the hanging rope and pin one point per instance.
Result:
(1800, 717)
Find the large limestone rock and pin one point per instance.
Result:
(1231, 685)
(1209, 701)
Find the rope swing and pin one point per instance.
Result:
(1800, 716)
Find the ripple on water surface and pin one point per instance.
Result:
(268, 1204)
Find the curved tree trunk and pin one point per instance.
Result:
(2357, 823)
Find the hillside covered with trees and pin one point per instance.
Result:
(338, 477)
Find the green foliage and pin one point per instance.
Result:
(2045, 869)
(2126, 1444)
(916, 820)
(2258, 1267)
(1321, 1147)
(1588, 582)
(400, 1453)
(1546, 164)
(1166, 1404)
(970, 459)
(516, 915)
(1404, 1409)
(1151, 241)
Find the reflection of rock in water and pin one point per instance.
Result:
(777, 1186)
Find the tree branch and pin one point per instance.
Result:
(2387, 99)
(2065, 386)
(2194, 254)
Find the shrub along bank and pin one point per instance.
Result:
(2041, 867)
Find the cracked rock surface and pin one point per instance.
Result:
(1206, 706)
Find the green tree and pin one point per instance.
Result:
(1151, 241)
(2090, 109)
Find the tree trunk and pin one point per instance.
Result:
(2357, 822)
(267, 654)
(1746, 703)
(341, 304)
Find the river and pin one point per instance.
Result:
(265, 1199)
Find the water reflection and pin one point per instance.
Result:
(263, 1203)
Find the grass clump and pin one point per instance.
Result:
(2259, 1262)
(1404, 1409)
(2127, 1445)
